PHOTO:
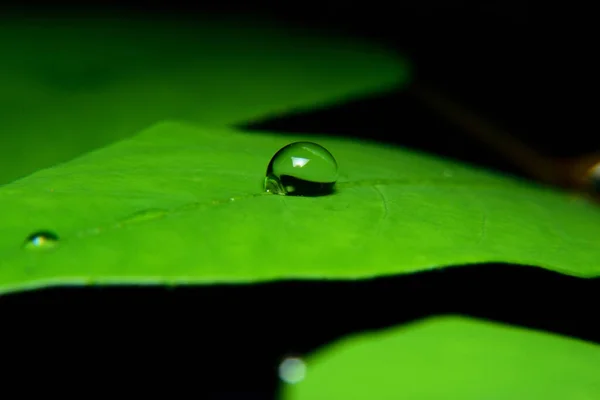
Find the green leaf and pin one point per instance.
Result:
(179, 204)
(452, 358)
(70, 86)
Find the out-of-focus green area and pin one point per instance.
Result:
(71, 85)
(452, 358)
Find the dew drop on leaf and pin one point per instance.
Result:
(301, 169)
(41, 240)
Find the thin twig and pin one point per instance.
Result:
(567, 173)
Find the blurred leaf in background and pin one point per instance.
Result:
(452, 358)
(73, 85)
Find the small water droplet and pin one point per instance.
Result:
(41, 240)
(301, 169)
(292, 370)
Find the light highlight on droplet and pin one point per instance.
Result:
(299, 162)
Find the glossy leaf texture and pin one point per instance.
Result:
(452, 358)
(71, 85)
(182, 204)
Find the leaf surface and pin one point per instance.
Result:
(181, 204)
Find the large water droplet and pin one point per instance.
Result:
(41, 240)
(301, 169)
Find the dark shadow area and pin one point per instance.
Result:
(225, 341)
(394, 118)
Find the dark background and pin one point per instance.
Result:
(499, 58)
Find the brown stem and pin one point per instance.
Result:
(581, 173)
(527, 159)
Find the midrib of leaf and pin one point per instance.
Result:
(145, 216)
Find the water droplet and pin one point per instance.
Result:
(301, 169)
(292, 370)
(41, 240)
